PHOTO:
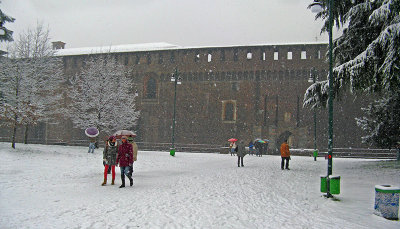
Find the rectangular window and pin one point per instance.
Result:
(172, 58)
(137, 59)
(235, 55)
(303, 55)
(264, 56)
(126, 62)
(197, 57)
(289, 55)
(222, 55)
(228, 113)
(209, 58)
(249, 55)
(319, 54)
(148, 59)
(160, 59)
(276, 55)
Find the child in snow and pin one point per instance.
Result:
(125, 160)
(109, 158)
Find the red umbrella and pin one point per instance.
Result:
(232, 140)
(127, 133)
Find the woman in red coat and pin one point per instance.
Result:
(125, 160)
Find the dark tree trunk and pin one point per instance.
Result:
(13, 136)
(26, 134)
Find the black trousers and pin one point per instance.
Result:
(240, 161)
(283, 162)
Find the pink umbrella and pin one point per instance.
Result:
(232, 140)
(127, 133)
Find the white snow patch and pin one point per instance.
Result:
(59, 187)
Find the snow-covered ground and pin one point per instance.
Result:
(59, 187)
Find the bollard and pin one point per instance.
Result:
(387, 201)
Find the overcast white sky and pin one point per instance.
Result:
(86, 23)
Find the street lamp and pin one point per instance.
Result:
(316, 7)
(177, 80)
(312, 79)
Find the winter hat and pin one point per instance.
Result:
(111, 138)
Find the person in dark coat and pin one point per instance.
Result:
(125, 160)
(109, 158)
(241, 152)
(257, 146)
(285, 155)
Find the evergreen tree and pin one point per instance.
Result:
(366, 58)
(5, 34)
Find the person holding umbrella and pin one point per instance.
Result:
(125, 160)
(232, 146)
(92, 133)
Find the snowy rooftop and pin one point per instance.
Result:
(116, 49)
(154, 47)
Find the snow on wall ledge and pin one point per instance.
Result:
(116, 49)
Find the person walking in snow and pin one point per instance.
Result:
(109, 158)
(251, 147)
(125, 160)
(92, 145)
(233, 148)
(135, 151)
(285, 155)
(257, 146)
(241, 152)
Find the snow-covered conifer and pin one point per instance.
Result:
(366, 55)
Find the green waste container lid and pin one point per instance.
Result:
(387, 188)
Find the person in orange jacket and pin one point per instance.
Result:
(285, 155)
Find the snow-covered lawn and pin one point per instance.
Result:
(59, 187)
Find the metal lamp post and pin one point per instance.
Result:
(177, 80)
(316, 7)
(312, 79)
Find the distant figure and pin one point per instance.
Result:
(135, 151)
(251, 148)
(285, 155)
(257, 146)
(92, 145)
(241, 152)
(233, 148)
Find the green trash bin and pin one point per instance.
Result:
(172, 152)
(323, 183)
(334, 184)
(315, 153)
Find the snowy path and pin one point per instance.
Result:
(59, 187)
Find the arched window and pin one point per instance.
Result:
(151, 88)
